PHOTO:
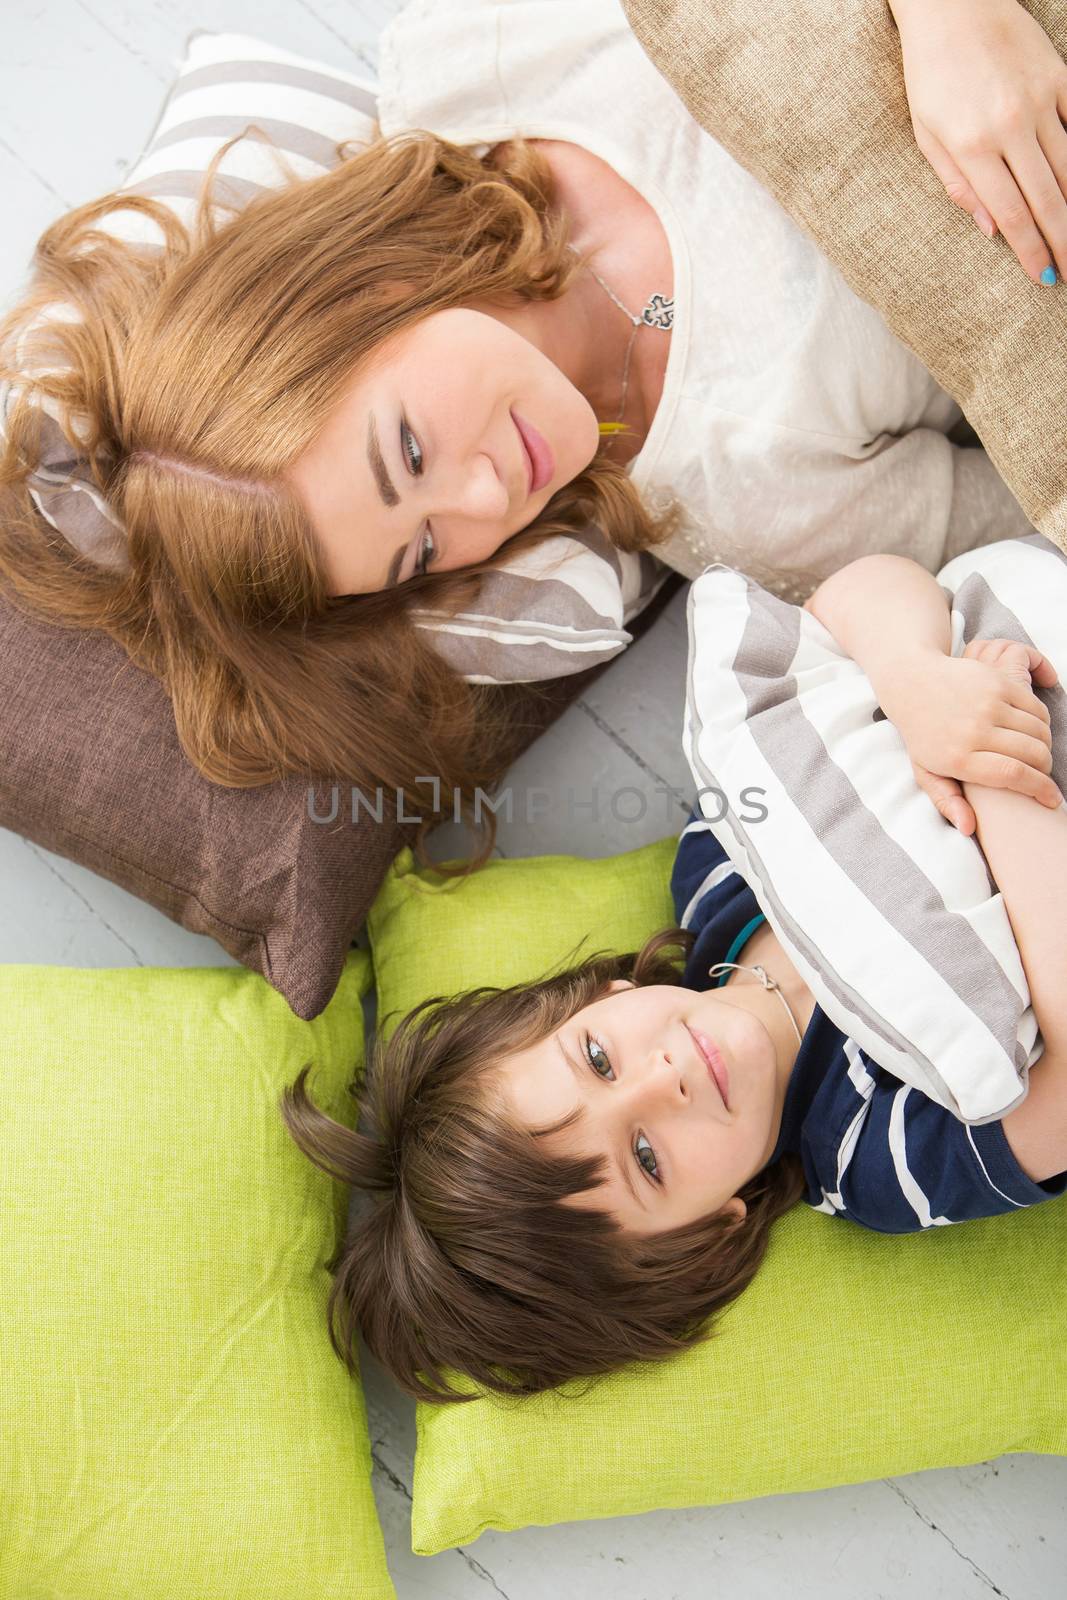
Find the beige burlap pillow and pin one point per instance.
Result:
(809, 96)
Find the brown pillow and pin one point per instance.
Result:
(808, 95)
(93, 770)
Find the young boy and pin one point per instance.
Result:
(577, 1173)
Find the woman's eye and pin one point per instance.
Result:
(427, 544)
(427, 553)
(411, 449)
(643, 1149)
(591, 1046)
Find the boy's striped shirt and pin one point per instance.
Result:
(873, 1149)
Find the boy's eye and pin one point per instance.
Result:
(643, 1150)
(593, 1050)
(427, 553)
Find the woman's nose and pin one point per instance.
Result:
(479, 492)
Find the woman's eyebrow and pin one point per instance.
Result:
(378, 467)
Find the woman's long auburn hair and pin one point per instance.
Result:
(469, 1264)
(196, 373)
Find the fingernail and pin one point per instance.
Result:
(986, 223)
(1048, 277)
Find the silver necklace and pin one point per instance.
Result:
(768, 983)
(657, 313)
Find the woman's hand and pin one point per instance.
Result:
(987, 92)
(975, 718)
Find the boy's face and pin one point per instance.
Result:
(631, 1064)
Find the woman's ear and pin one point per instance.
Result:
(620, 983)
(736, 1208)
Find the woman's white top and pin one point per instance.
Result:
(795, 429)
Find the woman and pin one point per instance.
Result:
(304, 419)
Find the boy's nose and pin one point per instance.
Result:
(663, 1081)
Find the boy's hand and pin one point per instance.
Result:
(975, 718)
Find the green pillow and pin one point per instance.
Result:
(853, 1355)
(503, 924)
(175, 1424)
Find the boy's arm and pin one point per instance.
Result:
(879, 609)
(960, 717)
(1026, 848)
(881, 606)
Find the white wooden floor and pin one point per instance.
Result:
(81, 82)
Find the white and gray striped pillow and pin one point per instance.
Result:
(551, 611)
(887, 911)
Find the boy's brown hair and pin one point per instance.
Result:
(470, 1262)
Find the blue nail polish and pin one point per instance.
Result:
(1048, 277)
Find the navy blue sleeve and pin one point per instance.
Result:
(711, 899)
(909, 1164)
(703, 880)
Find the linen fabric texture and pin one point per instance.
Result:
(810, 98)
(558, 608)
(93, 767)
(887, 911)
(174, 1420)
(767, 1405)
(280, 875)
(794, 430)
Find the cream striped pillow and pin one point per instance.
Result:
(551, 611)
(888, 912)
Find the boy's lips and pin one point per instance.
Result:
(715, 1064)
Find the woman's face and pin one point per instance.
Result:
(452, 439)
(632, 1064)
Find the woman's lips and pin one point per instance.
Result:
(715, 1064)
(542, 463)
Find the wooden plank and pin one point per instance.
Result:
(30, 204)
(355, 21)
(57, 912)
(1008, 1517)
(453, 1575)
(64, 54)
(343, 35)
(642, 697)
(609, 775)
(861, 1542)
(58, 54)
